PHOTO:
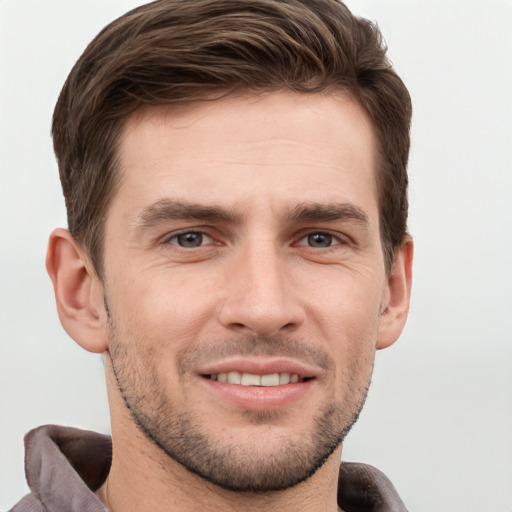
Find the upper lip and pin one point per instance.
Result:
(259, 366)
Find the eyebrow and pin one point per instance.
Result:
(168, 209)
(312, 212)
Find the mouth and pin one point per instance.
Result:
(259, 384)
(251, 379)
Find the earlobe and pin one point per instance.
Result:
(78, 292)
(395, 310)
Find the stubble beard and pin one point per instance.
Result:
(184, 435)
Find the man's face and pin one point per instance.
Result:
(243, 245)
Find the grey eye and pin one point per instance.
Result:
(320, 240)
(189, 240)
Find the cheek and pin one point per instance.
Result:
(353, 354)
(346, 306)
(348, 318)
(161, 312)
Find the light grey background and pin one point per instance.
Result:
(438, 419)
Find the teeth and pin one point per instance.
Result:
(234, 377)
(284, 378)
(270, 380)
(248, 379)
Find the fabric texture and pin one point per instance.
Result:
(65, 466)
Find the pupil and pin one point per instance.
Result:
(190, 239)
(320, 240)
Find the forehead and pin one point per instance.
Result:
(276, 147)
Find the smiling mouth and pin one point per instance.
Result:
(249, 379)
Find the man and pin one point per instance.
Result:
(236, 187)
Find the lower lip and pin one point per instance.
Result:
(258, 398)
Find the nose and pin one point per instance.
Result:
(260, 297)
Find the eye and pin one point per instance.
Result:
(190, 239)
(319, 240)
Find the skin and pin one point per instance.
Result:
(285, 270)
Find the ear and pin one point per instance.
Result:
(395, 307)
(78, 292)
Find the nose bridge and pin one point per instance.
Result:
(259, 296)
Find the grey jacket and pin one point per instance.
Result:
(64, 466)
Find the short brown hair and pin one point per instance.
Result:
(179, 51)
